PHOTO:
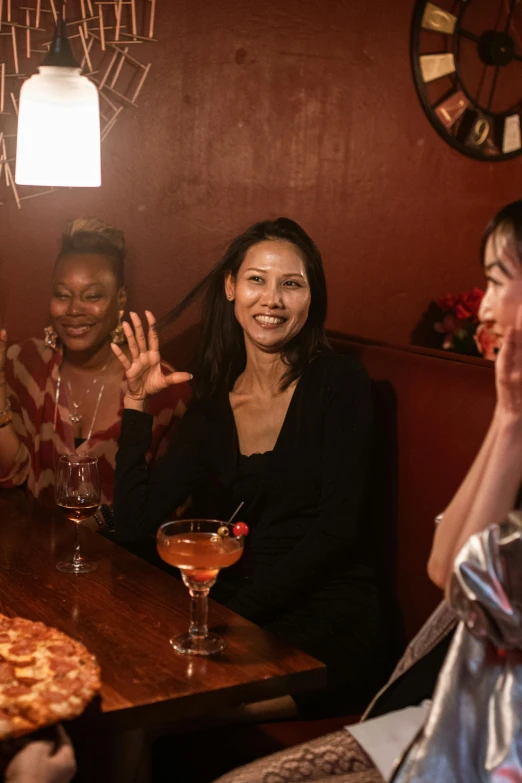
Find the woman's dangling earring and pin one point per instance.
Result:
(50, 338)
(118, 335)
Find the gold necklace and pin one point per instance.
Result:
(75, 416)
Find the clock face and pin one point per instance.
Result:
(467, 63)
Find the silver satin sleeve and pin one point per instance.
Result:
(486, 585)
(474, 729)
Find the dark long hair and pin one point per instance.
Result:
(221, 354)
(510, 219)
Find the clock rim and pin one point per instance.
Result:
(429, 112)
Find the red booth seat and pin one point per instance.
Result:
(432, 411)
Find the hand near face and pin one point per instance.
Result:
(143, 370)
(508, 370)
(42, 761)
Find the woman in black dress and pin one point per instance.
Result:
(282, 423)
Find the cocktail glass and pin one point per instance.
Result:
(194, 546)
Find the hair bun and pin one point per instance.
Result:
(90, 235)
(97, 229)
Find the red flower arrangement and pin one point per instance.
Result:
(457, 322)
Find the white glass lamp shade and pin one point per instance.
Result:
(58, 142)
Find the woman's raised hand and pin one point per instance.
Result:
(508, 371)
(143, 370)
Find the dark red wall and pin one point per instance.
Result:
(298, 107)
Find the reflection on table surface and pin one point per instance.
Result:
(125, 612)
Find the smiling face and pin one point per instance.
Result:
(271, 294)
(85, 301)
(503, 271)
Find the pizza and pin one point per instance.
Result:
(45, 676)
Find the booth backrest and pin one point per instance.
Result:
(432, 411)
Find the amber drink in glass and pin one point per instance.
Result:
(195, 547)
(78, 493)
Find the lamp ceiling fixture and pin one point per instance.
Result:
(59, 122)
(110, 39)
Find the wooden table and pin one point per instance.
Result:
(125, 612)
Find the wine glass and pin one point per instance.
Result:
(194, 546)
(78, 493)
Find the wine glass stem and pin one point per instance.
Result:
(77, 557)
(198, 612)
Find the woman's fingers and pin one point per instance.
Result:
(153, 334)
(144, 363)
(63, 764)
(140, 334)
(177, 377)
(507, 350)
(136, 339)
(62, 761)
(518, 336)
(131, 340)
(518, 318)
(509, 370)
(62, 736)
(64, 750)
(513, 351)
(121, 356)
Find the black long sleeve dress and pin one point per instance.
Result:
(308, 571)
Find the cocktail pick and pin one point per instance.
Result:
(236, 512)
(240, 528)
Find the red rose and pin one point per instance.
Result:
(471, 300)
(447, 302)
(462, 312)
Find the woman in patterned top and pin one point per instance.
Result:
(65, 394)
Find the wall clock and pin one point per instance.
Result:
(467, 64)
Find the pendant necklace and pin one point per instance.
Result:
(75, 416)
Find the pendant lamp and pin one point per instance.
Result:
(58, 140)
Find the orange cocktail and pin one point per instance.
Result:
(200, 556)
(200, 552)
